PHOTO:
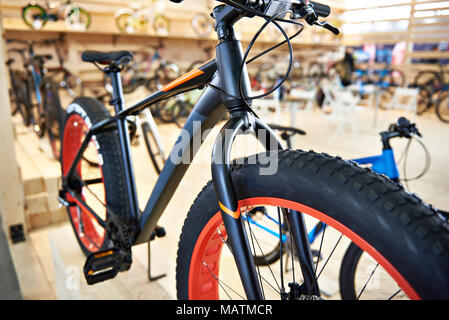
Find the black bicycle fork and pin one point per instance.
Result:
(234, 81)
(242, 122)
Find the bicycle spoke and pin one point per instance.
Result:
(268, 265)
(221, 283)
(280, 251)
(81, 228)
(394, 294)
(319, 251)
(319, 255)
(366, 283)
(330, 255)
(230, 250)
(224, 240)
(284, 211)
(254, 251)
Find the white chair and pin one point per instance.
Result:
(300, 100)
(340, 108)
(404, 98)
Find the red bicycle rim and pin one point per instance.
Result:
(207, 252)
(94, 235)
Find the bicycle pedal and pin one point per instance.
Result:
(106, 264)
(63, 200)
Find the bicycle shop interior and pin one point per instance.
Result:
(386, 69)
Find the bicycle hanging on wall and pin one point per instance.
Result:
(36, 16)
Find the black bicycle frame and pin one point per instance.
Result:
(225, 72)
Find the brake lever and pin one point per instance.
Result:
(416, 131)
(326, 25)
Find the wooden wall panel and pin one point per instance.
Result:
(11, 188)
(104, 35)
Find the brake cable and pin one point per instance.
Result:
(287, 40)
(404, 157)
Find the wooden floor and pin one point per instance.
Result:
(49, 264)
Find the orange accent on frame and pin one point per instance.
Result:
(234, 214)
(188, 76)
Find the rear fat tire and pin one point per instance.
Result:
(409, 234)
(108, 147)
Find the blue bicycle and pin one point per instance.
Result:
(351, 287)
(385, 78)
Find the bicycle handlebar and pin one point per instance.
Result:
(321, 10)
(292, 130)
(405, 128)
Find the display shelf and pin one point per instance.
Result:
(427, 23)
(51, 31)
(103, 22)
(77, 41)
(11, 24)
(430, 54)
(103, 35)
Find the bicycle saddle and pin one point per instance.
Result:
(290, 129)
(111, 57)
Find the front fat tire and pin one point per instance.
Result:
(407, 233)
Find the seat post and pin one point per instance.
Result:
(123, 132)
(117, 90)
